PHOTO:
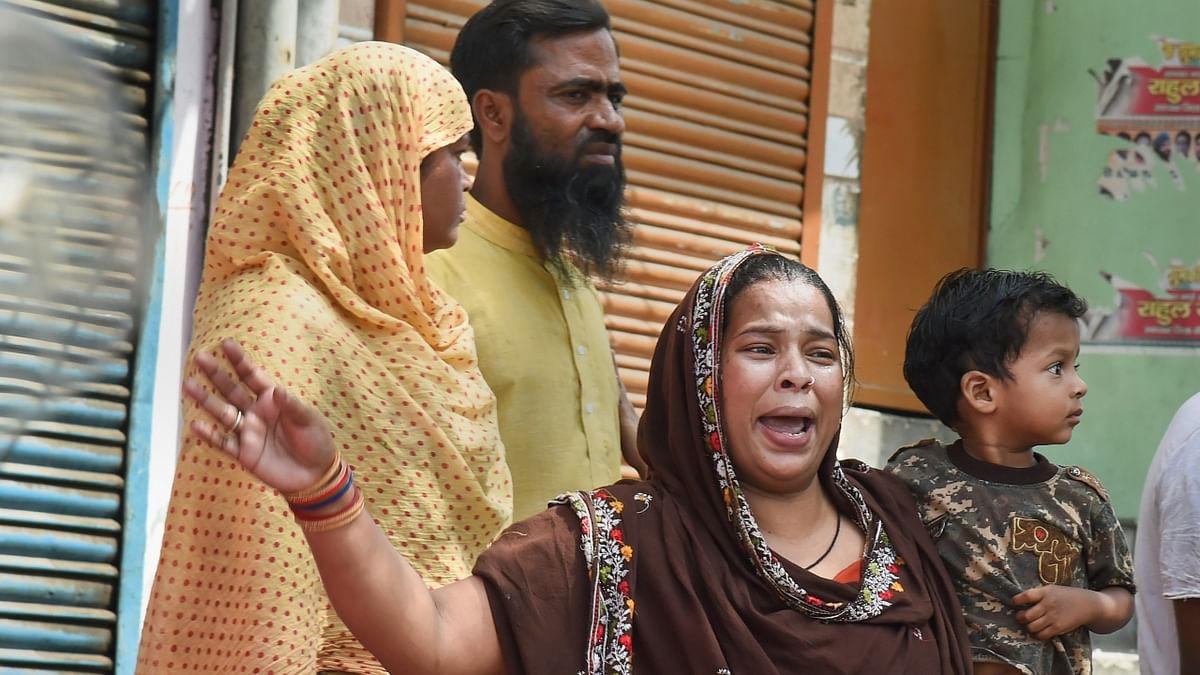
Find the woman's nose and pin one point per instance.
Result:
(795, 375)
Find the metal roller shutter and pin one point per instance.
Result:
(716, 137)
(70, 294)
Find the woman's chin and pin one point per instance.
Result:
(780, 481)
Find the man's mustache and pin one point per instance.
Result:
(600, 138)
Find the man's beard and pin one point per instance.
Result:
(574, 214)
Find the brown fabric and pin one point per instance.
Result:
(700, 602)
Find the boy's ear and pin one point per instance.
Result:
(494, 115)
(978, 391)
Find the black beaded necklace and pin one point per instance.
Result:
(836, 531)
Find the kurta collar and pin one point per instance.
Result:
(498, 230)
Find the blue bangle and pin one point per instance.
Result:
(330, 499)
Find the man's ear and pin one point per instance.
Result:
(979, 391)
(494, 115)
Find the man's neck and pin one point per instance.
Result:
(490, 190)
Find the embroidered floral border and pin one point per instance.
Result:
(610, 636)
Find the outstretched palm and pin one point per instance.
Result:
(281, 440)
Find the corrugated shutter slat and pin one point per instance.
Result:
(71, 259)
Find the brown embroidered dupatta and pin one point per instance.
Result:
(672, 573)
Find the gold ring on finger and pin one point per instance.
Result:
(237, 421)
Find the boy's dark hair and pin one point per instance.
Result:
(492, 50)
(777, 267)
(977, 320)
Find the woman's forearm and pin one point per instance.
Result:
(388, 607)
(357, 564)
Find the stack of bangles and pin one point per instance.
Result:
(332, 502)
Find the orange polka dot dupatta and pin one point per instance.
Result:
(314, 262)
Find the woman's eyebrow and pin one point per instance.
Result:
(774, 329)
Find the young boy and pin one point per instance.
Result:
(1035, 550)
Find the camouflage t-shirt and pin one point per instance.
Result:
(1003, 530)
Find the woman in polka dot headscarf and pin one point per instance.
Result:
(348, 175)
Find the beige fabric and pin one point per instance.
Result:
(314, 262)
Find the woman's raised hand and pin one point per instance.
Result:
(278, 438)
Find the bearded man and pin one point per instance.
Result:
(544, 215)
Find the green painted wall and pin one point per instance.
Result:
(1047, 212)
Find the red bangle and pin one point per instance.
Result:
(339, 519)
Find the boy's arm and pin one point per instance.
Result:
(1053, 610)
(1114, 607)
(1109, 562)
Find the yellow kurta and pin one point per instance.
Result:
(314, 262)
(544, 351)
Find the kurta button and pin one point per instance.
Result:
(588, 408)
(581, 349)
(566, 294)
